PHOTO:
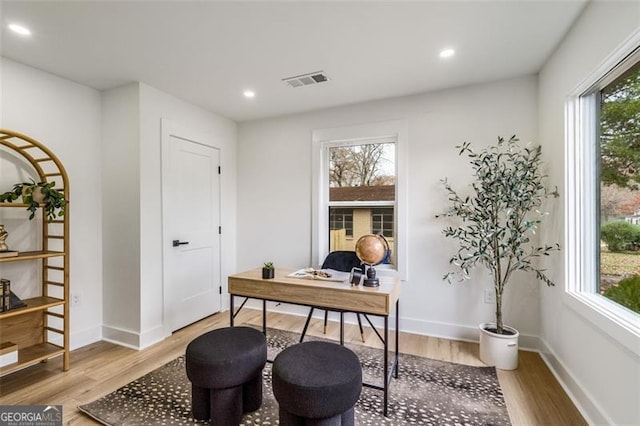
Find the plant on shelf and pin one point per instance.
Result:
(498, 218)
(37, 194)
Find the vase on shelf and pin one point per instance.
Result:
(3, 239)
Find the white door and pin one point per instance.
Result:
(191, 235)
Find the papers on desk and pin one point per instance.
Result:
(320, 274)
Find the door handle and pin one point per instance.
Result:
(177, 243)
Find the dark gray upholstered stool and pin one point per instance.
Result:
(317, 383)
(225, 370)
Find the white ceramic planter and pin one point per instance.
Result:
(36, 195)
(499, 350)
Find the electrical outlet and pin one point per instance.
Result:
(489, 296)
(75, 300)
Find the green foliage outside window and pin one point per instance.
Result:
(626, 293)
(620, 236)
(620, 188)
(619, 130)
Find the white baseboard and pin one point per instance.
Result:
(132, 339)
(464, 333)
(408, 325)
(85, 337)
(119, 336)
(152, 336)
(77, 339)
(584, 402)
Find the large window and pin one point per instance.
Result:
(603, 196)
(362, 191)
(359, 187)
(619, 185)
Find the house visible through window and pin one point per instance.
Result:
(362, 193)
(340, 218)
(618, 163)
(382, 221)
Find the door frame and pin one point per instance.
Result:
(167, 130)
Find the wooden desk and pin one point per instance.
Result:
(330, 295)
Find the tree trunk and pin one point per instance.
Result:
(498, 311)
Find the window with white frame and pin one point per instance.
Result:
(603, 177)
(359, 187)
(362, 187)
(619, 187)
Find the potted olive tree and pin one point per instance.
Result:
(494, 227)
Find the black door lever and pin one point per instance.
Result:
(177, 243)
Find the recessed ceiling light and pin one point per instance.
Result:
(447, 53)
(19, 29)
(249, 94)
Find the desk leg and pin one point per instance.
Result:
(385, 377)
(231, 309)
(341, 328)
(397, 335)
(264, 317)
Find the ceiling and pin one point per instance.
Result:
(208, 52)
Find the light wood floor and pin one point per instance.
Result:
(532, 394)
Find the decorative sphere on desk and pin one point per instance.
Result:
(371, 249)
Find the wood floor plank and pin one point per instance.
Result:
(532, 394)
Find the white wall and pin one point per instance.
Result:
(121, 213)
(274, 195)
(65, 116)
(132, 120)
(602, 374)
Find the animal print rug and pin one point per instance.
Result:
(427, 392)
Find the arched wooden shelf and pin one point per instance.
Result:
(41, 329)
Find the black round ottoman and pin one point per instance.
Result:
(225, 370)
(317, 383)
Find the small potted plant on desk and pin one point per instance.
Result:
(268, 270)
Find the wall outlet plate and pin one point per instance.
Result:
(489, 296)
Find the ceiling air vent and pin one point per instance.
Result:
(306, 79)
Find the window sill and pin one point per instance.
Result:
(615, 321)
